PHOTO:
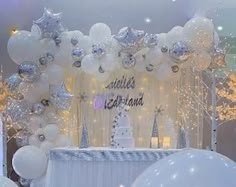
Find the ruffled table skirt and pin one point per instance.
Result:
(99, 167)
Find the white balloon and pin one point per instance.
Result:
(202, 60)
(190, 168)
(46, 146)
(5, 182)
(55, 74)
(38, 182)
(62, 141)
(109, 62)
(100, 32)
(36, 32)
(22, 46)
(199, 32)
(162, 40)
(154, 56)
(49, 46)
(51, 132)
(86, 44)
(34, 141)
(36, 122)
(164, 72)
(29, 162)
(175, 35)
(89, 64)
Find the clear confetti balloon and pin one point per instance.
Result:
(128, 61)
(18, 110)
(38, 108)
(13, 83)
(130, 40)
(180, 52)
(50, 24)
(29, 71)
(60, 97)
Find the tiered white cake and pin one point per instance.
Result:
(123, 135)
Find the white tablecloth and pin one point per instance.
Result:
(99, 167)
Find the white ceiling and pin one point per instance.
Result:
(81, 14)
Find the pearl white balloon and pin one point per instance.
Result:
(100, 32)
(34, 141)
(202, 60)
(46, 146)
(164, 72)
(162, 39)
(109, 62)
(49, 46)
(55, 74)
(62, 141)
(199, 32)
(23, 46)
(175, 35)
(89, 64)
(154, 56)
(5, 182)
(29, 162)
(190, 168)
(51, 132)
(38, 182)
(36, 32)
(86, 44)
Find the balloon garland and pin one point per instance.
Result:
(37, 92)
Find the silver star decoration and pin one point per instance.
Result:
(159, 110)
(50, 24)
(130, 40)
(60, 97)
(83, 97)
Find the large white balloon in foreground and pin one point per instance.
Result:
(23, 46)
(29, 162)
(190, 168)
(5, 182)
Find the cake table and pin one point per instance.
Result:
(99, 167)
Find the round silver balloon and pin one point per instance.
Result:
(29, 71)
(164, 49)
(78, 54)
(45, 102)
(98, 51)
(149, 67)
(150, 40)
(13, 83)
(175, 69)
(38, 108)
(41, 137)
(180, 52)
(43, 61)
(77, 64)
(128, 61)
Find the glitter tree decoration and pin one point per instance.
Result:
(84, 142)
(227, 111)
(3, 92)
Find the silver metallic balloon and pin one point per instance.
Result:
(18, 110)
(38, 108)
(41, 137)
(150, 40)
(29, 71)
(25, 182)
(98, 51)
(130, 40)
(60, 97)
(13, 83)
(128, 61)
(78, 54)
(164, 49)
(22, 138)
(175, 69)
(101, 70)
(180, 52)
(45, 102)
(77, 64)
(218, 59)
(150, 67)
(50, 24)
